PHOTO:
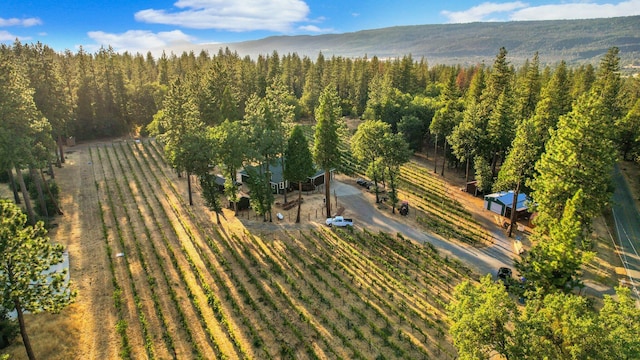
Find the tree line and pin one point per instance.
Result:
(108, 94)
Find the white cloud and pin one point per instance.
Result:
(315, 29)
(482, 11)
(28, 22)
(518, 10)
(7, 36)
(232, 15)
(138, 40)
(578, 10)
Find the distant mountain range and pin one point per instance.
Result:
(576, 41)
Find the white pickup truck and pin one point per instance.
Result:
(339, 221)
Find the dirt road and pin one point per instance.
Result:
(483, 260)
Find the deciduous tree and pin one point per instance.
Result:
(367, 146)
(482, 315)
(395, 153)
(619, 321)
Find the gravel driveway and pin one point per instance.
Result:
(482, 260)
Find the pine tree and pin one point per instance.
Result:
(467, 139)
(231, 141)
(179, 120)
(528, 91)
(498, 83)
(555, 101)
(312, 85)
(500, 128)
(26, 257)
(628, 132)
(49, 95)
(580, 153)
(518, 166)
(298, 162)
(326, 147)
(554, 262)
(278, 100)
(446, 118)
(18, 127)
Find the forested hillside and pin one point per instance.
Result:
(574, 41)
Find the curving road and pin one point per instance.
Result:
(627, 228)
(482, 260)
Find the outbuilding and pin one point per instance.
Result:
(243, 203)
(502, 202)
(220, 180)
(279, 185)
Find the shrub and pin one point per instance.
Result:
(8, 328)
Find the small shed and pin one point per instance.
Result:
(318, 178)
(244, 202)
(502, 202)
(472, 187)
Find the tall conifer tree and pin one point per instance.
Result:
(326, 149)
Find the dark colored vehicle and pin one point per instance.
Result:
(404, 208)
(504, 275)
(364, 183)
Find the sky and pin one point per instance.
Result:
(143, 25)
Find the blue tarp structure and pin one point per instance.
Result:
(501, 202)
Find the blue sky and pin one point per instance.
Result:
(142, 25)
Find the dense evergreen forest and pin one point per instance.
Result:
(469, 113)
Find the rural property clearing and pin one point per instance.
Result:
(158, 279)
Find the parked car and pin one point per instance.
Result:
(339, 221)
(364, 183)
